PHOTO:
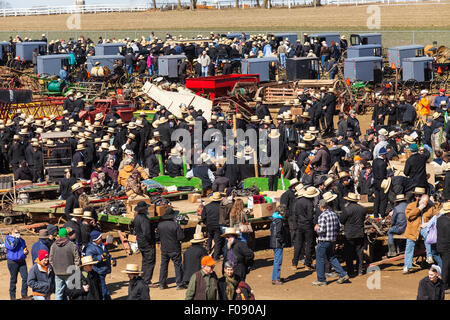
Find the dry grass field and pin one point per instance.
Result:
(395, 17)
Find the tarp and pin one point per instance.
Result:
(173, 100)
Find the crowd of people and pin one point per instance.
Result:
(330, 166)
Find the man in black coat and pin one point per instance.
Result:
(146, 240)
(221, 182)
(90, 282)
(72, 201)
(210, 217)
(65, 184)
(137, 288)
(304, 218)
(170, 235)
(75, 224)
(443, 243)
(16, 153)
(431, 287)
(288, 198)
(329, 102)
(379, 166)
(174, 165)
(238, 253)
(415, 166)
(352, 217)
(192, 257)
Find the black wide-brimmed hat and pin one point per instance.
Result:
(141, 207)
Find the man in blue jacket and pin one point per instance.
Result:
(398, 224)
(16, 255)
(441, 97)
(41, 244)
(97, 249)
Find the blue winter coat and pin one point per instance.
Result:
(102, 267)
(14, 248)
(41, 282)
(41, 244)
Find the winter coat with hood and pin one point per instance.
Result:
(95, 289)
(14, 248)
(243, 257)
(126, 172)
(99, 253)
(41, 279)
(63, 254)
(170, 233)
(278, 232)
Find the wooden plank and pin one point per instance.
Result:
(393, 259)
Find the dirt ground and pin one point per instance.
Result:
(413, 17)
(393, 285)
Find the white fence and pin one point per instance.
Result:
(172, 4)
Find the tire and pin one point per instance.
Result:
(8, 220)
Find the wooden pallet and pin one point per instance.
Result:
(279, 95)
(315, 83)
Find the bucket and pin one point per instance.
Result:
(23, 198)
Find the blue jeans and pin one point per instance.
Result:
(205, 71)
(391, 232)
(277, 261)
(323, 59)
(150, 71)
(325, 250)
(16, 267)
(283, 59)
(409, 253)
(424, 233)
(105, 291)
(436, 256)
(60, 287)
(129, 69)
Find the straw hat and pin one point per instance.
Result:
(293, 182)
(156, 134)
(446, 207)
(309, 137)
(301, 145)
(112, 148)
(119, 121)
(248, 150)
(352, 197)
(274, 133)
(132, 269)
(132, 125)
(87, 260)
(217, 196)
(436, 114)
(230, 231)
(329, 181)
(163, 120)
(198, 238)
(385, 184)
(383, 132)
(329, 196)
(104, 146)
(97, 140)
(419, 190)
(408, 139)
(50, 144)
(238, 115)
(155, 124)
(132, 136)
(400, 197)
(77, 212)
(87, 215)
(310, 192)
(97, 124)
(254, 119)
(80, 147)
(152, 142)
(77, 186)
(80, 164)
(313, 130)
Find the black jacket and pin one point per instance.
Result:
(191, 260)
(76, 227)
(446, 192)
(23, 173)
(138, 289)
(304, 213)
(352, 217)
(95, 289)
(173, 169)
(222, 287)
(415, 168)
(278, 234)
(232, 172)
(443, 234)
(220, 183)
(379, 171)
(243, 258)
(71, 203)
(431, 291)
(65, 187)
(145, 231)
(169, 233)
(211, 215)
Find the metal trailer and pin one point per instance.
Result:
(365, 38)
(327, 37)
(363, 69)
(52, 64)
(397, 54)
(24, 50)
(105, 61)
(54, 164)
(292, 37)
(258, 66)
(419, 69)
(366, 50)
(4, 49)
(302, 68)
(109, 49)
(168, 65)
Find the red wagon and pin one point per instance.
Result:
(124, 109)
(218, 86)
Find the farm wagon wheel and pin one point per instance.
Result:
(7, 201)
(413, 85)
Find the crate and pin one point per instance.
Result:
(280, 95)
(131, 204)
(261, 210)
(193, 197)
(161, 210)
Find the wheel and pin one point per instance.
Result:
(413, 85)
(7, 202)
(8, 220)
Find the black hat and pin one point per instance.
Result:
(141, 207)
